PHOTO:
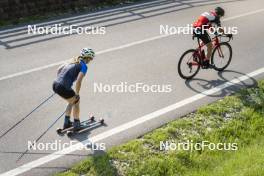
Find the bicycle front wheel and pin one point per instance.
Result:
(222, 56)
(188, 65)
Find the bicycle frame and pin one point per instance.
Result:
(215, 41)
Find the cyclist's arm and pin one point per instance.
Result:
(79, 82)
(81, 74)
(218, 25)
(220, 30)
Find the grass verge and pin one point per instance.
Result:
(236, 119)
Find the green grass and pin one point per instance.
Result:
(248, 161)
(235, 119)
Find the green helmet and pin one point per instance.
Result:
(87, 52)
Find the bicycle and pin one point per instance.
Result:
(193, 59)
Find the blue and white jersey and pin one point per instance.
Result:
(69, 74)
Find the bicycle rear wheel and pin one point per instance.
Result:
(222, 56)
(188, 65)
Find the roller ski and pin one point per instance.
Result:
(71, 125)
(83, 127)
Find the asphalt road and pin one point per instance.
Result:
(132, 51)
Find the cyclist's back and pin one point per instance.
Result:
(69, 74)
(206, 19)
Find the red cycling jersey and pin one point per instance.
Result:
(206, 19)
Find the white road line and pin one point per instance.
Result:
(124, 127)
(244, 14)
(97, 53)
(131, 124)
(116, 48)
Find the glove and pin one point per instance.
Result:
(229, 35)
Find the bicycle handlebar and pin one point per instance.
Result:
(223, 35)
(218, 35)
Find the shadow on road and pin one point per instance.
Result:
(84, 135)
(92, 150)
(200, 85)
(18, 37)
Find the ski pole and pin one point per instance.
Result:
(51, 125)
(27, 115)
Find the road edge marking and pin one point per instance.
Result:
(128, 125)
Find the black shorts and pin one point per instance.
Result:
(203, 35)
(62, 91)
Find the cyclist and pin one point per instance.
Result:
(68, 73)
(204, 22)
